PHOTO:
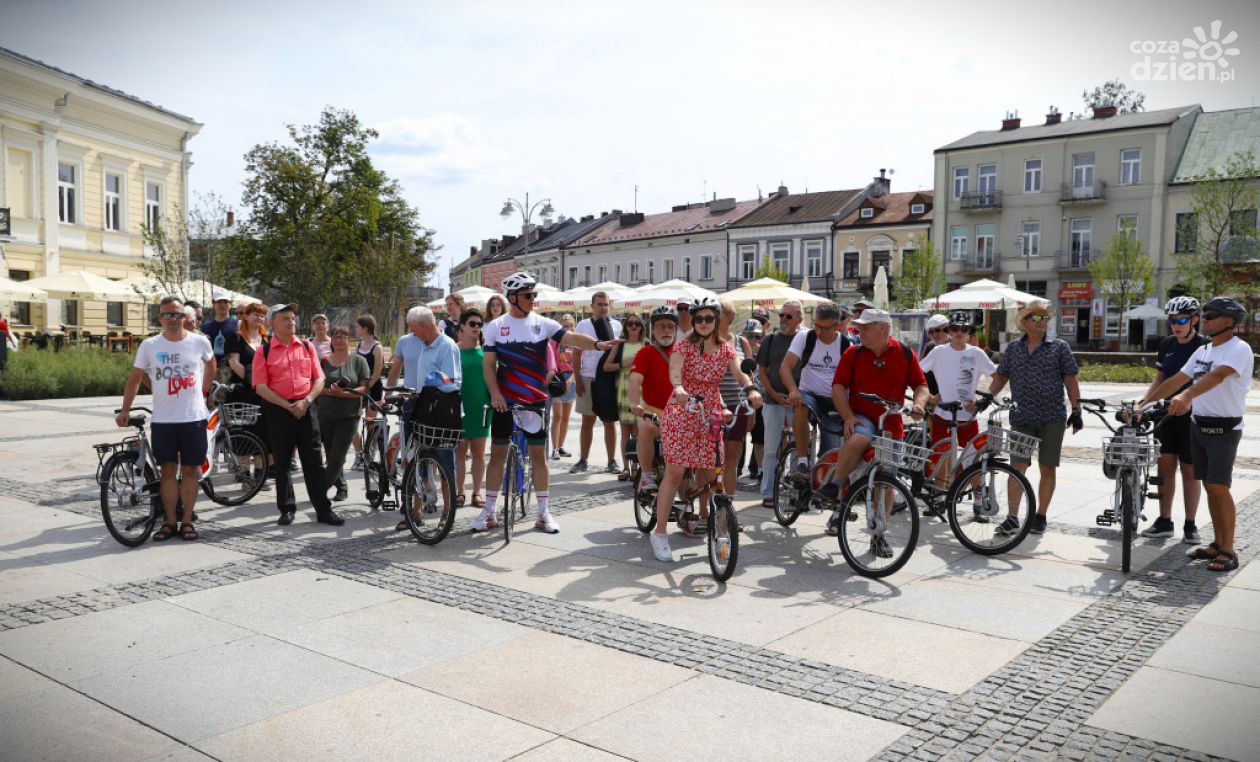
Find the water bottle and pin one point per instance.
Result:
(715, 425)
(218, 345)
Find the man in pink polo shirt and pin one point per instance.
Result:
(288, 378)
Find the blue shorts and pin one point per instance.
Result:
(864, 426)
(830, 430)
(183, 443)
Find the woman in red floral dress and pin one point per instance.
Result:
(696, 366)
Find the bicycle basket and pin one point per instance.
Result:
(437, 437)
(1129, 450)
(1002, 439)
(898, 454)
(240, 413)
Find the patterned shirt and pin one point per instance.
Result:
(521, 347)
(1037, 379)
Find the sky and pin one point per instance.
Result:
(580, 102)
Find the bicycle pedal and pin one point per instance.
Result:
(1155, 481)
(1153, 495)
(1106, 518)
(389, 505)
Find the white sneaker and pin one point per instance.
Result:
(660, 547)
(546, 523)
(485, 522)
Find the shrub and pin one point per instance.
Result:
(72, 372)
(1094, 372)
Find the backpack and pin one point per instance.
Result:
(266, 348)
(811, 341)
(853, 371)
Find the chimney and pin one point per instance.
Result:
(1010, 121)
(783, 191)
(506, 241)
(881, 185)
(1104, 110)
(1053, 116)
(721, 205)
(231, 218)
(634, 218)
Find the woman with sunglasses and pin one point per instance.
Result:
(619, 361)
(696, 368)
(475, 397)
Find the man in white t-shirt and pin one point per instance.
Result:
(592, 400)
(1220, 375)
(818, 353)
(180, 366)
(956, 368)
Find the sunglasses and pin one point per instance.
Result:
(936, 330)
(702, 319)
(472, 324)
(962, 328)
(1038, 318)
(1180, 320)
(787, 316)
(171, 315)
(634, 325)
(1213, 315)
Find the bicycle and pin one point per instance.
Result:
(422, 485)
(975, 496)
(518, 479)
(788, 505)
(235, 469)
(1128, 458)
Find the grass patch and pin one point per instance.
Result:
(72, 372)
(1097, 372)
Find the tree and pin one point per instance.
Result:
(770, 270)
(1114, 92)
(922, 274)
(325, 226)
(1124, 273)
(1221, 231)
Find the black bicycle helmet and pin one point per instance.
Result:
(1182, 305)
(962, 318)
(1227, 305)
(663, 312)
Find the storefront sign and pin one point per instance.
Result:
(1076, 289)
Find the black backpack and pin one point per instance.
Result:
(811, 341)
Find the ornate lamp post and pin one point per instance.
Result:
(527, 212)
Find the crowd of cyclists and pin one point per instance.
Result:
(679, 381)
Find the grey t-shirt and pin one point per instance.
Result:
(770, 356)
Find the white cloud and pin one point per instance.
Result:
(444, 149)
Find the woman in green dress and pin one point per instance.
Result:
(475, 397)
(619, 361)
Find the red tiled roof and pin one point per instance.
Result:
(696, 220)
(890, 209)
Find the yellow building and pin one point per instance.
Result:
(877, 234)
(84, 168)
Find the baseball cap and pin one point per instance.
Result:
(936, 321)
(864, 304)
(872, 315)
(276, 309)
(220, 295)
(753, 326)
(761, 315)
(317, 316)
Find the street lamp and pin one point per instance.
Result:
(527, 212)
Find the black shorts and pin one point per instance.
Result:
(1214, 455)
(501, 430)
(377, 392)
(1173, 436)
(183, 443)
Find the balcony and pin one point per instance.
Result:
(1095, 193)
(979, 264)
(981, 200)
(1076, 259)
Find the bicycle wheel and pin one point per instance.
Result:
(239, 468)
(786, 504)
(1128, 507)
(375, 477)
(881, 545)
(644, 505)
(130, 503)
(506, 497)
(723, 538)
(979, 501)
(428, 499)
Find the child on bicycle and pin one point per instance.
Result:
(956, 369)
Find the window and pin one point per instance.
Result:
(686, 273)
(852, 261)
(113, 202)
(634, 272)
(917, 208)
(66, 191)
(19, 188)
(1030, 239)
(1083, 175)
(780, 254)
(70, 312)
(114, 314)
(603, 273)
(814, 258)
(586, 276)
(984, 245)
(1131, 166)
(21, 310)
(881, 258)
(1242, 222)
(651, 268)
(867, 213)
(1032, 175)
(961, 177)
(1126, 224)
(1186, 237)
(152, 205)
(706, 267)
(747, 261)
(987, 181)
(957, 242)
(572, 277)
(667, 269)
(1082, 235)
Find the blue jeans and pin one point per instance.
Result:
(775, 418)
(830, 430)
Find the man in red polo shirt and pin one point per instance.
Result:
(288, 378)
(650, 387)
(880, 365)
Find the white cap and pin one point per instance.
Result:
(937, 321)
(872, 315)
(220, 295)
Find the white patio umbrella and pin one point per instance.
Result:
(655, 295)
(476, 296)
(84, 286)
(983, 294)
(1140, 312)
(19, 291)
(768, 292)
(881, 289)
(1012, 312)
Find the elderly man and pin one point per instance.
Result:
(777, 411)
(683, 307)
(596, 387)
(288, 378)
(1039, 369)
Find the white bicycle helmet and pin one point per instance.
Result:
(519, 281)
(1182, 305)
(706, 303)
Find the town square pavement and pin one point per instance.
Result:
(310, 642)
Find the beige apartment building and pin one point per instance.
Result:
(879, 233)
(84, 168)
(1041, 202)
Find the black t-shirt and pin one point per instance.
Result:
(214, 329)
(235, 343)
(770, 356)
(1173, 355)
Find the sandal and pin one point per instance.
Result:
(188, 532)
(459, 500)
(1208, 552)
(164, 533)
(477, 502)
(767, 503)
(624, 476)
(1224, 561)
(402, 526)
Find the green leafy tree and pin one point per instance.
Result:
(1124, 273)
(1221, 233)
(325, 226)
(922, 274)
(1124, 98)
(769, 270)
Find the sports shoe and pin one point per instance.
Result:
(578, 467)
(1008, 527)
(547, 524)
(555, 455)
(1162, 527)
(485, 522)
(691, 525)
(647, 484)
(880, 547)
(660, 547)
(833, 524)
(341, 494)
(1039, 524)
(564, 453)
(800, 474)
(358, 462)
(1191, 534)
(613, 468)
(979, 513)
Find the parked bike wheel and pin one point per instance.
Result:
(979, 501)
(723, 538)
(130, 503)
(428, 500)
(860, 541)
(375, 477)
(506, 497)
(1127, 511)
(644, 505)
(239, 468)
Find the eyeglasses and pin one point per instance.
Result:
(471, 324)
(530, 295)
(702, 319)
(1180, 320)
(822, 327)
(1213, 315)
(171, 315)
(938, 330)
(1038, 318)
(962, 328)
